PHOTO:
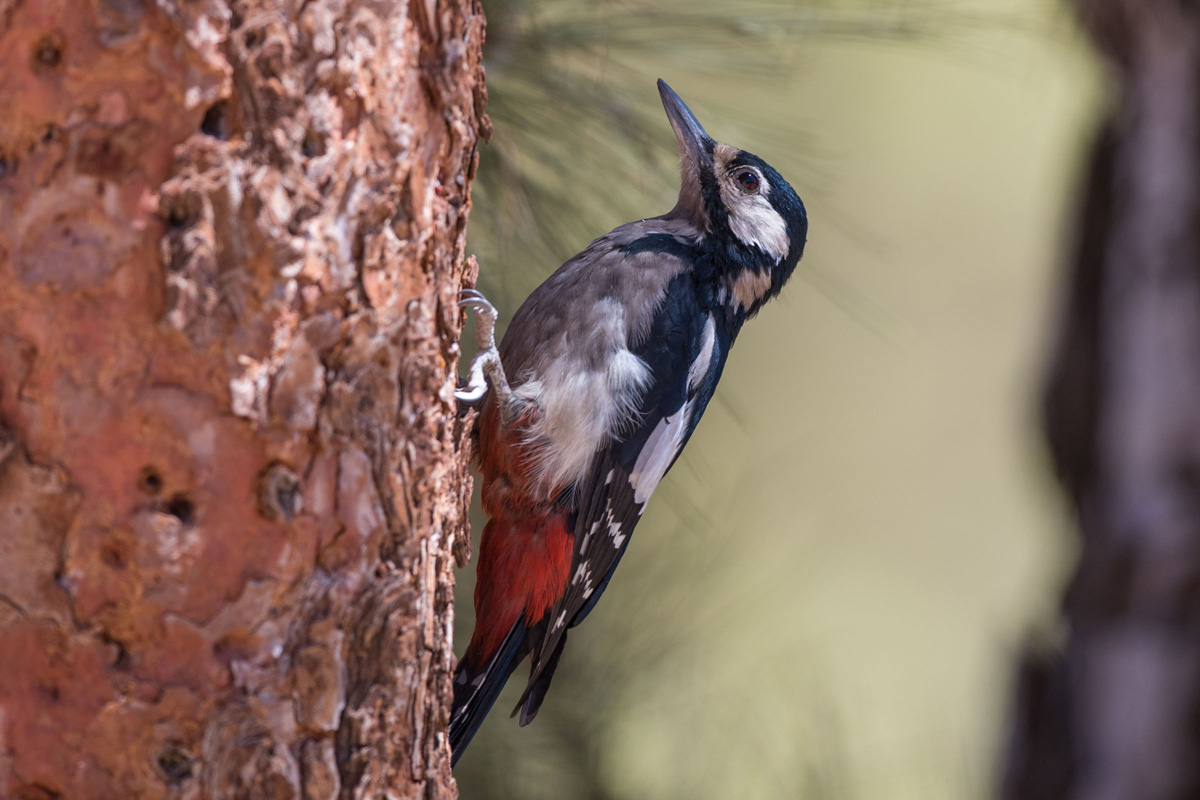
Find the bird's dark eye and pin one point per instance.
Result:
(748, 180)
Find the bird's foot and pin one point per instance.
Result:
(485, 366)
(485, 317)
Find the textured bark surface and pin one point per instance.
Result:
(231, 480)
(1117, 715)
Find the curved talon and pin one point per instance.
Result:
(485, 317)
(470, 298)
(480, 307)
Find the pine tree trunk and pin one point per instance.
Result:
(231, 478)
(1117, 715)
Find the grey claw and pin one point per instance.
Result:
(469, 298)
(472, 298)
(485, 317)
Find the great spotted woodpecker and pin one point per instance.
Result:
(597, 386)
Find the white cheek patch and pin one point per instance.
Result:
(752, 218)
(755, 222)
(659, 451)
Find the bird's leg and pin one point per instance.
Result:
(485, 366)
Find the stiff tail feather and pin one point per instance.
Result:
(539, 684)
(476, 688)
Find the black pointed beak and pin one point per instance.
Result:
(693, 141)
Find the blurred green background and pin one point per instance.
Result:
(827, 594)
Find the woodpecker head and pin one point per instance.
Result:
(750, 219)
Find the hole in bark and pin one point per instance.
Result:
(112, 556)
(48, 52)
(181, 211)
(174, 762)
(182, 507)
(46, 134)
(51, 692)
(288, 497)
(7, 166)
(149, 480)
(253, 38)
(121, 661)
(303, 214)
(216, 121)
(313, 144)
(279, 493)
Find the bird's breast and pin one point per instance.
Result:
(581, 407)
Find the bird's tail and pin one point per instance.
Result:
(539, 683)
(476, 687)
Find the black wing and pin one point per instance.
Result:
(685, 351)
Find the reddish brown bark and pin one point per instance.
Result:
(231, 238)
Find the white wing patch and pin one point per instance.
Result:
(666, 440)
(699, 368)
(659, 451)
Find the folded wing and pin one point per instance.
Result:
(685, 353)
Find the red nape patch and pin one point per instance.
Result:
(523, 568)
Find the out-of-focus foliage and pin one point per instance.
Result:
(581, 143)
(820, 600)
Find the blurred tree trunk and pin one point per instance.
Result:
(1117, 715)
(231, 238)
